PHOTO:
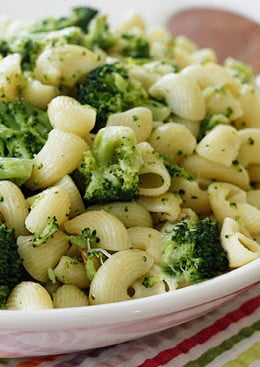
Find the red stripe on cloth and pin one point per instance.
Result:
(203, 335)
(36, 362)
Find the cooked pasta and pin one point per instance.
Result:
(65, 65)
(37, 260)
(61, 154)
(67, 114)
(131, 214)
(29, 295)
(111, 232)
(154, 178)
(10, 77)
(50, 203)
(138, 118)
(240, 248)
(173, 141)
(182, 95)
(129, 265)
(71, 271)
(69, 296)
(220, 145)
(13, 207)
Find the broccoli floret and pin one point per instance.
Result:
(11, 268)
(78, 17)
(23, 129)
(110, 171)
(52, 226)
(17, 170)
(135, 45)
(192, 251)
(177, 171)
(211, 121)
(110, 89)
(99, 34)
(88, 242)
(240, 70)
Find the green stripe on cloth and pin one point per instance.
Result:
(244, 359)
(227, 344)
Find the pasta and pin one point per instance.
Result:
(69, 296)
(29, 296)
(111, 232)
(182, 95)
(129, 265)
(174, 139)
(61, 154)
(67, 114)
(154, 178)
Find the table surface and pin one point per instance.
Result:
(226, 337)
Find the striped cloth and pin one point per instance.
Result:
(226, 337)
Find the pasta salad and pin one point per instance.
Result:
(129, 162)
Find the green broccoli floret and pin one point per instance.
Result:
(240, 70)
(110, 89)
(110, 171)
(88, 242)
(78, 17)
(11, 268)
(135, 46)
(51, 227)
(211, 121)
(192, 251)
(17, 170)
(176, 170)
(23, 129)
(99, 34)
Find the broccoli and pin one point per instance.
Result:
(11, 265)
(192, 251)
(17, 170)
(110, 171)
(23, 129)
(135, 46)
(211, 121)
(78, 17)
(99, 34)
(240, 70)
(110, 89)
(51, 227)
(177, 171)
(88, 242)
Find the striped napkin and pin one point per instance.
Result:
(226, 337)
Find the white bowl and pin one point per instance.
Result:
(58, 331)
(44, 332)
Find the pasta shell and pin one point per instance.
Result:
(111, 232)
(61, 154)
(67, 114)
(29, 295)
(13, 207)
(114, 277)
(69, 296)
(38, 260)
(182, 94)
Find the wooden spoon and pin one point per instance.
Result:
(228, 33)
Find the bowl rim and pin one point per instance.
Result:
(180, 300)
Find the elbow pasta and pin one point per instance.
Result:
(183, 170)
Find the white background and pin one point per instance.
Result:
(154, 11)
